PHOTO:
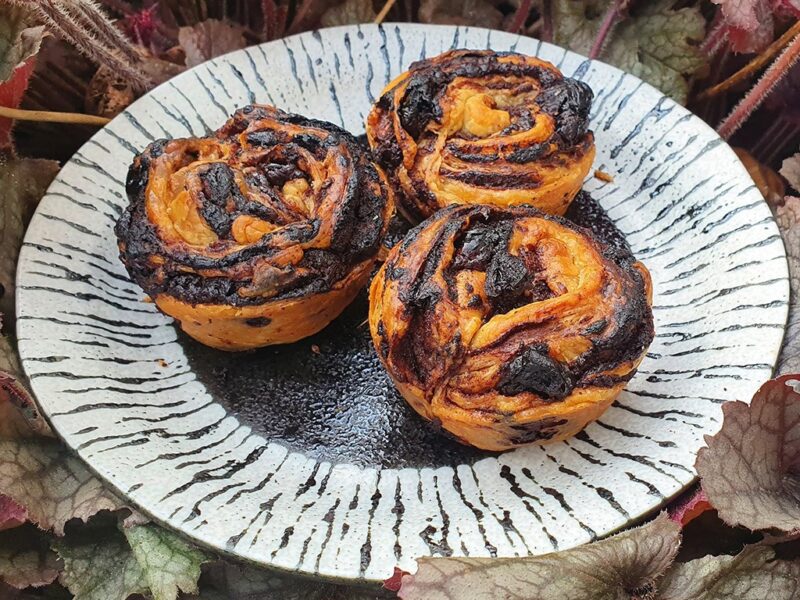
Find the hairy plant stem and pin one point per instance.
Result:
(715, 38)
(754, 65)
(759, 92)
(546, 33)
(82, 24)
(520, 16)
(615, 13)
(300, 15)
(89, 14)
(274, 20)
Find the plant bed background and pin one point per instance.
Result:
(67, 66)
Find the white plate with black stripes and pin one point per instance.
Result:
(308, 461)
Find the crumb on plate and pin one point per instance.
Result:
(603, 176)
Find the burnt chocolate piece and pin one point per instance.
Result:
(534, 371)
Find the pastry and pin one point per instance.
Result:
(483, 127)
(259, 234)
(508, 327)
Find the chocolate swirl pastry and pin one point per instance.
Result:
(509, 327)
(258, 234)
(483, 127)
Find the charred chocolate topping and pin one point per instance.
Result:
(613, 325)
(509, 121)
(271, 206)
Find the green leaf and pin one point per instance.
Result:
(754, 574)
(18, 42)
(788, 218)
(623, 566)
(26, 559)
(100, 565)
(49, 592)
(23, 182)
(750, 468)
(169, 564)
(225, 580)
(576, 22)
(661, 46)
(656, 43)
(349, 12)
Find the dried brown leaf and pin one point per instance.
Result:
(626, 565)
(769, 183)
(750, 468)
(18, 41)
(208, 39)
(109, 93)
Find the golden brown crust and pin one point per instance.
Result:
(478, 127)
(258, 234)
(509, 327)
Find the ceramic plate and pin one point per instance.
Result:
(309, 461)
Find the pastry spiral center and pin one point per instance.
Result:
(220, 196)
(481, 118)
(502, 266)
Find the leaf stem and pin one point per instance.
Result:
(520, 16)
(776, 71)
(52, 117)
(300, 15)
(754, 65)
(613, 16)
(546, 33)
(384, 11)
(715, 37)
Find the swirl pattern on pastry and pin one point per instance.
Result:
(509, 327)
(483, 127)
(258, 234)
